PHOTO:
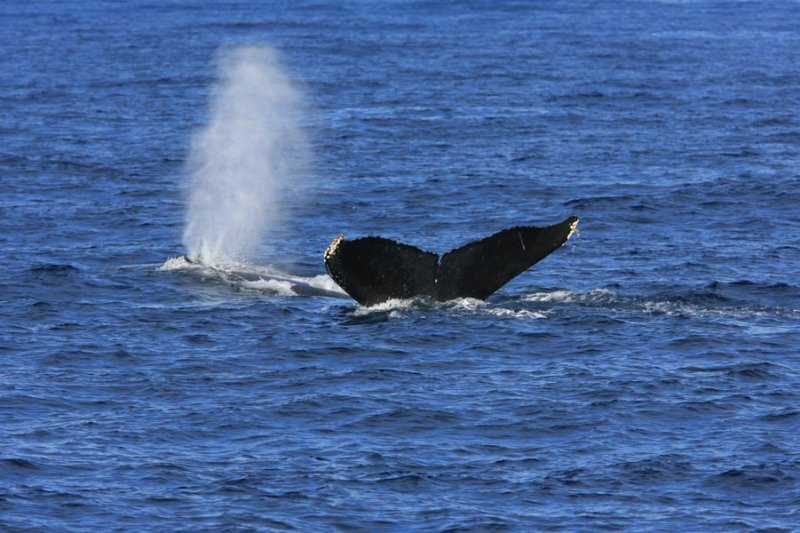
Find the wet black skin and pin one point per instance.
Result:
(373, 269)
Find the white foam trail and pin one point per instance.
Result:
(279, 287)
(566, 296)
(516, 313)
(393, 304)
(325, 283)
(469, 304)
(480, 306)
(251, 150)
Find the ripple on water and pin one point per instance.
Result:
(642, 378)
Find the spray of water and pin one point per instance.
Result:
(241, 163)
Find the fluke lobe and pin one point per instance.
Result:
(373, 269)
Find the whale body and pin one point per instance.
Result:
(374, 269)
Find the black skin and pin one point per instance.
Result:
(373, 269)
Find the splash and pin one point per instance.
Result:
(175, 263)
(244, 160)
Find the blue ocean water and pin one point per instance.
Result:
(645, 377)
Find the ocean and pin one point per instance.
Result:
(643, 377)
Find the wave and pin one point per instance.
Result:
(741, 299)
(276, 282)
(56, 268)
(465, 307)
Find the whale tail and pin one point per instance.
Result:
(373, 269)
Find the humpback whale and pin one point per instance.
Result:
(374, 269)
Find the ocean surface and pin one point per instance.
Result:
(644, 377)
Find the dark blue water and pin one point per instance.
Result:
(645, 377)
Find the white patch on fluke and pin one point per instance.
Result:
(573, 230)
(252, 149)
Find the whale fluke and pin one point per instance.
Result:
(373, 269)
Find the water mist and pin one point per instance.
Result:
(240, 163)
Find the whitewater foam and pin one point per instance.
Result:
(279, 287)
(325, 283)
(650, 305)
(176, 263)
(481, 306)
(567, 296)
(392, 304)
